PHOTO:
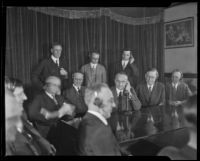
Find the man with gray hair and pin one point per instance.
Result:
(95, 135)
(49, 106)
(151, 92)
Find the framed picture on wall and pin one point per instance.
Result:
(179, 33)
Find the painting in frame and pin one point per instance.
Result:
(179, 33)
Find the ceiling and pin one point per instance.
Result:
(135, 12)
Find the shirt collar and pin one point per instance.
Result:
(150, 85)
(50, 95)
(76, 87)
(176, 85)
(93, 65)
(54, 59)
(118, 91)
(99, 116)
(125, 61)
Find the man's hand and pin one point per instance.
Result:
(66, 109)
(131, 60)
(128, 88)
(63, 72)
(175, 103)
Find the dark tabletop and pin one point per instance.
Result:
(148, 122)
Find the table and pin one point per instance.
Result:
(158, 124)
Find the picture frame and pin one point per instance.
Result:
(179, 33)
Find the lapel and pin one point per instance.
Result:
(53, 63)
(74, 91)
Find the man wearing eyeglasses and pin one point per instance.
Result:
(75, 94)
(94, 72)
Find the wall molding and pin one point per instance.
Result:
(185, 75)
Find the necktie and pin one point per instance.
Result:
(149, 89)
(54, 99)
(57, 63)
(78, 90)
(124, 65)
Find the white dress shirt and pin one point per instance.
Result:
(126, 62)
(99, 116)
(175, 85)
(77, 88)
(55, 59)
(118, 91)
(150, 86)
(50, 95)
(93, 65)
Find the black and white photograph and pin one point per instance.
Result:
(100, 80)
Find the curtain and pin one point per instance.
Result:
(29, 35)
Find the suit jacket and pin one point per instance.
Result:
(180, 94)
(92, 77)
(44, 101)
(131, 70)
(95, 138)
(45, 69)
(134, 102)
(76, 99)
(185, 153)
(156, 97)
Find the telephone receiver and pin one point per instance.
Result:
(125, 90)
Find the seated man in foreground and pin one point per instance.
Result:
(151, 92)
(49, 106)
(177, 91)
(95, 134)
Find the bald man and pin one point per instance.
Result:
(48, 106)
(75, 94)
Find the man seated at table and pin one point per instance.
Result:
(151, 92)
(95, 134)
(49, 106)
(13, 112)
(177, 91)
(28, 140)
(123, 91)
(189, 151)
(75, 94)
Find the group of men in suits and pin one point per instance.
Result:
(92, 107)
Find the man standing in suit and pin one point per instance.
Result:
(151, 92)
(94, 72)
(52, 66)
(177, 91)
(95, 134)
(75, 94)
(126, 65)
(48, 106)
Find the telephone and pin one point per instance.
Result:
(126, 93)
